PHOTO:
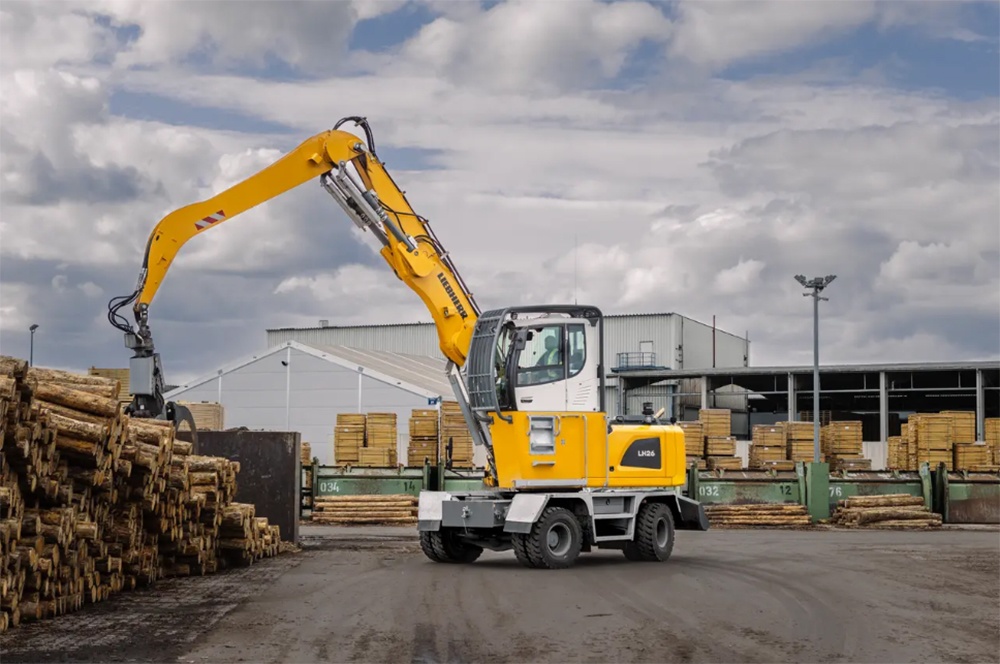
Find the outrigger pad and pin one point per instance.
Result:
(693, 515)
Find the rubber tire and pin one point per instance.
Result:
(519, 542)
(533, 549)
(644, 547)
(443, 547)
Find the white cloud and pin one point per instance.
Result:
(524, 45)
(740, 278)
(719, 33)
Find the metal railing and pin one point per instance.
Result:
(636, 360)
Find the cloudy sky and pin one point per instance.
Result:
(644, 157)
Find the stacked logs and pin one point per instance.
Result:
(94, 502)
(365, 509)
(896, 511)
(769, 515)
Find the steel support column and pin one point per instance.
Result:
(883, 407)
(704, 392)
(793, 400)
(980, 407)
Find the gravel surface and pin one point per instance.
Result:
(369, 595)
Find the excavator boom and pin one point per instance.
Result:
(353, 174)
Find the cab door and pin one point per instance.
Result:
(538, 368)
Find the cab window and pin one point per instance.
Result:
(543, 358)
(577, 348)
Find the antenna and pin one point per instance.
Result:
(575, 237)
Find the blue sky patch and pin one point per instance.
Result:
(151, 107)
(908, 59)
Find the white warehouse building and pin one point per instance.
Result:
(309, 375)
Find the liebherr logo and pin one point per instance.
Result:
(451, 293)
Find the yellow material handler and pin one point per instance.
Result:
(562, 477)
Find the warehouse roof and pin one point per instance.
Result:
(424, 376)
(831, 368)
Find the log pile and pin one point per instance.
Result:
(93, 502)
(423, 437)
(770, 515)
(365, 510)
(893, 511)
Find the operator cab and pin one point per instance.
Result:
(541, 359)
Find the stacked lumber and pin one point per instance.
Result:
(423, 437)
(720, 444)
(799, 441)
(93, 502)
(380, 441)
(716, 422)
(769, 515)
(694, 438)
(725, 463)
(898, 511)
(365, 509)
(348, 438)
(850, 464)
(909, 433)
(767, 444)
(208, 415)
(898, 454)
(933, 439)
(456, 432)
(697, 461)
(977, 457)
(992, 436)
(840, 443)
(963, 425)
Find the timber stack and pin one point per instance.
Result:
(389, 509)
(894, 511)
(94, 502)
(694, 443)
(769, 515)
(424, 440)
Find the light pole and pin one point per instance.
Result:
(31, 352)
(817, 285)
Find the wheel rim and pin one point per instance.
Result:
(558, 539)
(661, 533)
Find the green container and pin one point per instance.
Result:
(879, 483)
(330, 481)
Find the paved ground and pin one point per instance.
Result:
(368, 595)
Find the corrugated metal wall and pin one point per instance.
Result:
(253, 396)
(659, 334)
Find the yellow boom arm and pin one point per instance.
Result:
(354, 176)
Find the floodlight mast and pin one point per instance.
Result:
(817, 285)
